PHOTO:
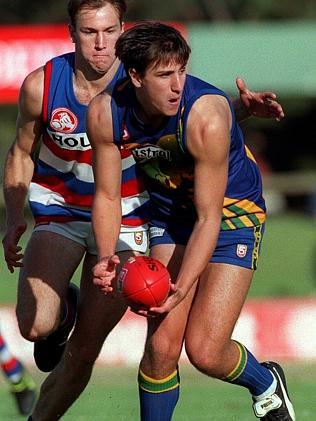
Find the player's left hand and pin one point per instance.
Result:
(259, 104)
(176, 295)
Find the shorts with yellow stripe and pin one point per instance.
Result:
(239, 247)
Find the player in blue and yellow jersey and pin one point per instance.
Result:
(207, 218)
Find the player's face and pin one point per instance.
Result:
(160, 89)
(95, 36)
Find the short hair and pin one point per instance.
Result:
(74, 6)
(151, 43)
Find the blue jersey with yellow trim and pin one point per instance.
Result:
(168, 167)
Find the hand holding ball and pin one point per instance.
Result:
(144, 281)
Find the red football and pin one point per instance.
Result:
(144, 281)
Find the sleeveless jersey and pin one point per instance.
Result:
(168, 168)
(62, 187)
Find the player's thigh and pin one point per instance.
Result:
(220, 295)
(49, 262)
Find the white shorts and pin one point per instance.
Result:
(81, 232)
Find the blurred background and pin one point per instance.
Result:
(272, 45)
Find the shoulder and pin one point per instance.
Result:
(31, 92)
(33, 83)
(209, 127)
(211, 110)
(99, 118)
(100, 104)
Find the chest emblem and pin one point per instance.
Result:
(63, 120)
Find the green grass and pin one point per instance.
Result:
(286, 265)
(286, 268)
(287, 261)
(112, 395)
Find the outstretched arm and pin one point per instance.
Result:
(19, 166)
(106, 211)
(208, 140)
(257, 104)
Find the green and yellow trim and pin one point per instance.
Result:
(158, 386)
(241, 214)
(255, 252)
(241, 364)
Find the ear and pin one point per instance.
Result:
(135, 78)
(72, 33)
(123, 27)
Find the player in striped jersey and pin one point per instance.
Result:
(51, 157)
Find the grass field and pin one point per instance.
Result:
(112, 396)
(286, 268)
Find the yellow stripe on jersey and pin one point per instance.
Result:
(228, 225)
(246, 205)
(249, 154)
(228, 213)
(249, 207)
(246, 220)
(241, 213)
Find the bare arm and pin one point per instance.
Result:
(19, 166)
(208, 141)
(106, 211)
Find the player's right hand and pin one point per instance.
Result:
(104, 273)
(10, 242)
(259, 104)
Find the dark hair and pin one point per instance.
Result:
(151, 43)
(74, 6)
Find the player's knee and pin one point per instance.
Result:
(35, 329)
(205, 356)
(162, 352)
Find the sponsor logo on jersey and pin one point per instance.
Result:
(156, 232)
(63, 120)
(146, 152)
(77, 141)
(241, 250)
(138, 237)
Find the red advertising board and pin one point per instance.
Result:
(277, 329)
(24, 48)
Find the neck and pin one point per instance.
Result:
(148, 115)
(88, 83)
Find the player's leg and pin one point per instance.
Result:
(221, 293)
(22, 385)
(158, 379)
(44, 309)
(98, 315)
